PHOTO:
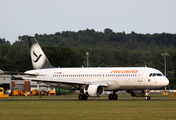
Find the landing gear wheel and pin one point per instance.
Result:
(113, 97)
(110, 97)
(85, 98)
(147, 98)
(146, 95)
(82, 97)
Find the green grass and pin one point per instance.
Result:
(160, 108)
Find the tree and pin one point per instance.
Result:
(62, 57)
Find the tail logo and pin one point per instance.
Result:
(38, 57)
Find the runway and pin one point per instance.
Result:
(41, 99)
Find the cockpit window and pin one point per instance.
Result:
(155, 74)
(158, 74)
(150, 75)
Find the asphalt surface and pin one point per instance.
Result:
(41, 99)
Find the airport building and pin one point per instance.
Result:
(5, 82)
(21, 84)
(9, 83)
(30, 85)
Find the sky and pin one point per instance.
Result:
(28, 17)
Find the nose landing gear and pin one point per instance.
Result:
(146, 93)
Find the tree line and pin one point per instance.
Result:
(107, 49)
(107, 39)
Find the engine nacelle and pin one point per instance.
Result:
(93, 90)
(137, 93)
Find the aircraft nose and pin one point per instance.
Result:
(166, 82)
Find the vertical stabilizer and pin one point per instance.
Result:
(38, 58)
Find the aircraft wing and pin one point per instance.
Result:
(44, 79)
(16, 73)
(62, 81)
(53, 80)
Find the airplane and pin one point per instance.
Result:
(93, 82)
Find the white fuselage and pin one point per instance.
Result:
(128, 78)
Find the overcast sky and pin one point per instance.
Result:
(28, 17)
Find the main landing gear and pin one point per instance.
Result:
(82, 97)
(113, 96)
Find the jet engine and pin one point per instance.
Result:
(136, 93)
(93, 90)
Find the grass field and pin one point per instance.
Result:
(58, 107)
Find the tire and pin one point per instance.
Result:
(147, 98)
(85, 98)
(115, 96)
(80, 97)
(110, 96)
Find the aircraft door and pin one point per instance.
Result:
(47, 73)
(140, 76)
